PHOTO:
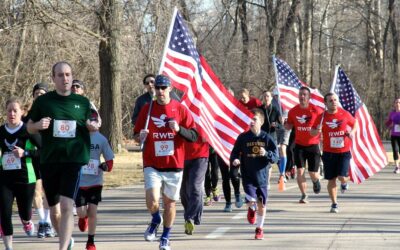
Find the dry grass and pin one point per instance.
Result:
(127, 170)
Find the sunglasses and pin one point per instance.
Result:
(161, 87)
(148, 82)
(76, 86)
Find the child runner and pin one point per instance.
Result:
(254, 151)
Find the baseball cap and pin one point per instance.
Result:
(79, 83)
(40, 85)
(162, 80)
(275, 91)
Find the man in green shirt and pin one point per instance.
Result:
(62, 118)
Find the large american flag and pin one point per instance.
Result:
(219, 116)
(368, 154)
(289, 84)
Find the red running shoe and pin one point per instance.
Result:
(259, 234)
(83, 224)
(90, 246)
(251, 216)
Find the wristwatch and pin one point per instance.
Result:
(26, 153)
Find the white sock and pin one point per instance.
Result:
(40, 212)
(47, 216)
(260, 221)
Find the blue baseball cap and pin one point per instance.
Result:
(162, 80)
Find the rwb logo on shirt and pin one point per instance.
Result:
(334, 123)
(303, 119)
(160, 122)
(77, 106)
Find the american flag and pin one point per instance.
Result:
(289, 84)
(368, 154)
(219, 116)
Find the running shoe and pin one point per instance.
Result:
(83, 224)
(303, 199)
(396, 170)
(344, 187)
(71, 244)
(334, 208)
(189, 227)
(41, 233)
(251, 216)
(151, 232)
(90, 246)
(164, 244)
(48, 230)
(259, 234)
(29, 228)
(238, 201)
(293, 172)
(317, 187)
(74, 210)
(216, 195)
(228, 207)
(207, 201)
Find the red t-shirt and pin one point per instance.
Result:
(302, 119)
(164, 148)
(197, 149)
(252, 103)
(334, 130)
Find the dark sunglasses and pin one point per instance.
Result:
(76, 86)
(161, 87)
(148, 82)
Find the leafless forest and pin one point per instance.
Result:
(112, 44)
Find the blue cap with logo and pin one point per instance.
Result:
(162, 80)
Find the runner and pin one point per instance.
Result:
(196, 159)
(170, 126)
(91, 183)
(230, 174)
(393, 123)
(337, 139)
(254, 151)
(247, 100)
(301, 117)
(62, 118)
(211, 179)
(17, 175)
(39, 201)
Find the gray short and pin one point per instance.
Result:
(283, 136)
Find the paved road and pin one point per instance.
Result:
(368, 219)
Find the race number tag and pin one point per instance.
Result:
(396, 128)
(64, 129)
(10, 162)
(92, 168)
(164, 148)
(337, 142)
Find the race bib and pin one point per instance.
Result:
(337, 142)
(64, 129)
(10, 162)
(164, 148)
(396, 128)
(92, 168)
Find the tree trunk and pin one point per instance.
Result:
(110, 73)
(308, 50)
(245, 40)
(294, 8)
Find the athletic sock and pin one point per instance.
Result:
(47, 216)
(282, 164)
(156, 218)
(90, 238)
(40, 212)
(260, 221)
(165, 233)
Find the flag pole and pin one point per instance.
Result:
(171, 26)
(276, 82)
(332, 88)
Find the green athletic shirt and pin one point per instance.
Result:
(74, 107)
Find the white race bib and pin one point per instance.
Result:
(10, 162)
(64, 129)
(92, 168)
(337, 142)
(396, 128)
(164, 148)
